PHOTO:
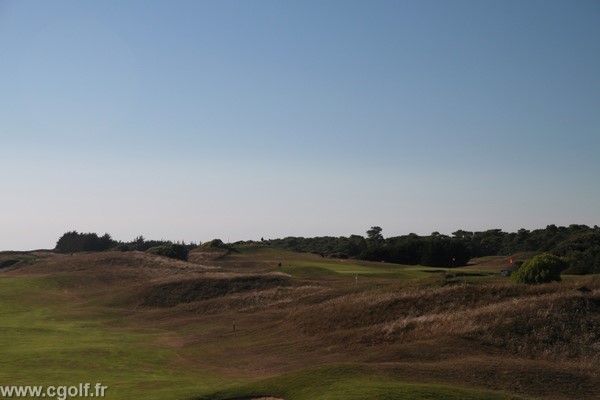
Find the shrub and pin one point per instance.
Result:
(171, 250)
(216, 244)
(540, 269)
(122, 247)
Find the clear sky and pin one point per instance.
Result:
(189, 120)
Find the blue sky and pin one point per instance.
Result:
(189, 120)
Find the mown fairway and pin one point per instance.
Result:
(150, 327)
(49, 337)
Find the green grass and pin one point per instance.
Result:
(46, 340)
(256, 252)
(351, 382)
(50, 338)
(351, 268)
(54, 333)
(312, 266)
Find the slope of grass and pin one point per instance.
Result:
(384, 270)
(350, 382)
(11, 259)
(46, 340)
(307, 265)
(402, 332)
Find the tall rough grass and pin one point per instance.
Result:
(546, 321)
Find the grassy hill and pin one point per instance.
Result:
(306, 327)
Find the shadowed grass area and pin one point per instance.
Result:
(9, 259)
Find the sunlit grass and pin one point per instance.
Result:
(43, 342)
(351, 382)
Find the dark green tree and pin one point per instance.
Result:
(374, 236)
(73, 241)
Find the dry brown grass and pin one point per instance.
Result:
(540, 341)
(546, 321)
(113, 266)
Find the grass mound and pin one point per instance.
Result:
(215, 244)
(393, 333)
(10, 259)
(170, 294)
(171, 250)
(542, 321)
(8, 263)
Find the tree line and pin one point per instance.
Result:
(579, 245)
(435, 250)
(74, 242)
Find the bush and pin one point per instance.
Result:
(216, 244)
(121, 247)
(171, 250)
(540, 269)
